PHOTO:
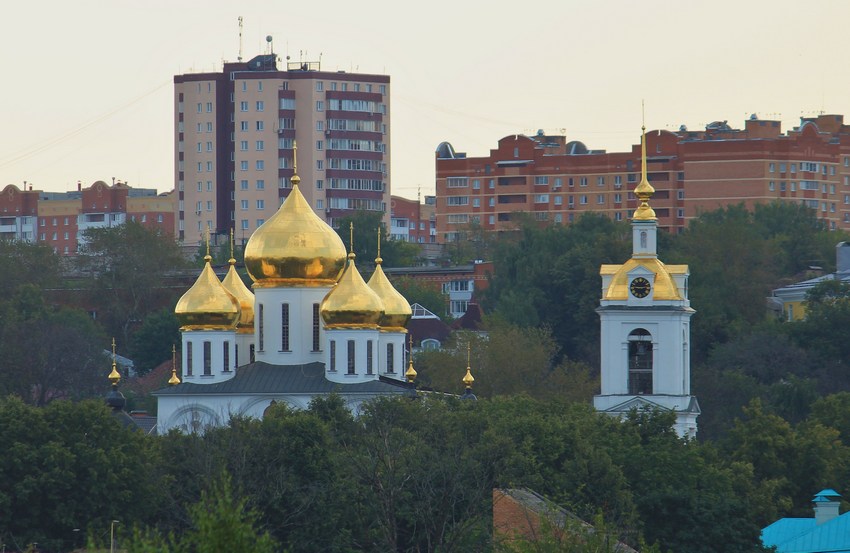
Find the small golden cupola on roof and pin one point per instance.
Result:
(643, 190)
(294, 247)
(233, 283)
(351, 303)
(410, 373)
(174, 380)
(207, 305)
(397, 310)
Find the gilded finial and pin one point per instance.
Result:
(410, 374)
(114, 376)
(351, 240)
(468, 379)
(643, 190)
(378, 259)
(295, 179)
(174, 380)
(207, 257)
(232, 259)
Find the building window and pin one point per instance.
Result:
(640, 362)
(260, 105)
(351, 368)
(188, 358)
(260, 321)
(390, 358)
(284, 327)
(582, 181)
(261, 184)
(320, 86)
(333, 355)
(207, 358)
(261, 204)
(226, 356)
(261, 165)
(368, 356)
(260, 125)
(316, 327)
(600, 181)
(243, 106)
(320, 105)
(244, 204)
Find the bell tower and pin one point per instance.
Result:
(645, 326)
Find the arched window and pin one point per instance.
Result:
(640, 362)
(643, 239)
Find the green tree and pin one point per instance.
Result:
(152, 343)
(128, 266)
(395, 253)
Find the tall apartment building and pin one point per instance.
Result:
(60, 219)
(553, 180)
(235, 133)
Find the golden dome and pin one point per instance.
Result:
(207, 305)
(351, 303)
(233, 283)
(663, 284)
(397, 310)
(294, 247)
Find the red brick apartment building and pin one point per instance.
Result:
(553, 180)
(60, 219)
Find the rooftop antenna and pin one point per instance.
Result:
(240, 39)
(270, 42)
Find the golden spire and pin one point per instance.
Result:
(410, 374)
(114, 376)
(468, 380)
(643, 190)
(378, 259)
(174, 380)
(295, 179)
(232, 259)
(351, 239)
(207, 235)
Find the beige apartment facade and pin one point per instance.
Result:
(236, 134)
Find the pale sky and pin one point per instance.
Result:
(87, 85)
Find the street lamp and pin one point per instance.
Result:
(112, 535)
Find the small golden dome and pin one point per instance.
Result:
(397, 310)
(410, 373)
(468, 379)
(351, 303)
(644, 190)
(294, 247)
(233, 283)
(664, 286)
(207, 305)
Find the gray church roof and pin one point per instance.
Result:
(264, 378)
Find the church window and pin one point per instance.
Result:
(351, 369)
(188, 358)
(284, 327)
(390, 360)
(207, 358)
(316, 327)
(640, 362)
(226, 357)
(260, 328)
(251, 356)
(369, 357)
(643, 239)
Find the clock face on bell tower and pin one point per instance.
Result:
(640, 287)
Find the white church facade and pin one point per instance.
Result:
(645, 327)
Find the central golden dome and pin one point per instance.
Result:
(351, 303)
(294, 248)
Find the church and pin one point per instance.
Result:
(312, 326)
(645, 326)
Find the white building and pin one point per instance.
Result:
(315, 328)
(645, 327)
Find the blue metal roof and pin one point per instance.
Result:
(803, 535)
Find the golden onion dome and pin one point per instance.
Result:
(207, 305)
(664, 286)
(351, 303)
(397, 310)
(233, 283)
(294, 247)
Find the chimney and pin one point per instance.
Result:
(826, 506)
(842, 257)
